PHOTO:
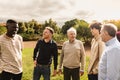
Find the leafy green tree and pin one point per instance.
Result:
(22, 27)
(2, 29)
(68, 24)
(53, 25)
(83, 31)
(115, 22)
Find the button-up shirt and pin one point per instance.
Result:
(109, 67)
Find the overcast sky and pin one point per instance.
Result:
(60, 10)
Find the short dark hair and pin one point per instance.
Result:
(96, 25)
(11, 21)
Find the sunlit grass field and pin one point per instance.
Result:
(28, 66)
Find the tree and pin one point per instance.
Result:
(22, 27)
(52, 24)
(68, 24)
(115, 22)
(2, 29)
(83, 31)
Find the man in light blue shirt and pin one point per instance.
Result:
(109, 66)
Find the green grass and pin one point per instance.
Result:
(28, 66)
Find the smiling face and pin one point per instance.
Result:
(12, 29)
(47, 34)
(71, 35)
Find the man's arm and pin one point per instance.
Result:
(55, 56)
(61, 59)
(82, 59)
(101, 47)
(35, 53)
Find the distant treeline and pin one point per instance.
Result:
(32, 30)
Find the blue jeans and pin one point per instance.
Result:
(41, 70)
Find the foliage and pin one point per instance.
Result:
(115, 22)
(53, 25)
(32, 30)
(68, 24)
(29, 37)
(2, 29)
(60, 38)
(84, 32)
(22, 27)
(82, 29)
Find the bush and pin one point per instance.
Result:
(59, 37)
(2, 29)
(30, 37)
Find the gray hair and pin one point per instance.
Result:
(72, 29)
(110, 28)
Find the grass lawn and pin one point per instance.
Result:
(28, 66)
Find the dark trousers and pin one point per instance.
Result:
(0, 75)
(73, 74)
(41, 70)
(92, 76)
(10, 76)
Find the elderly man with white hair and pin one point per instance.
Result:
(109, 66)
(72, 57)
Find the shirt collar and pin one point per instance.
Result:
(73, 41)
(111, 41)
(8, 37)
(49, 41)
(97, 37)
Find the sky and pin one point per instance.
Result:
(60, 10)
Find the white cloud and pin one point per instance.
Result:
(60, 9)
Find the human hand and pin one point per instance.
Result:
(60, 71)
(35, 62)
(81, 73)
(54, 73)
